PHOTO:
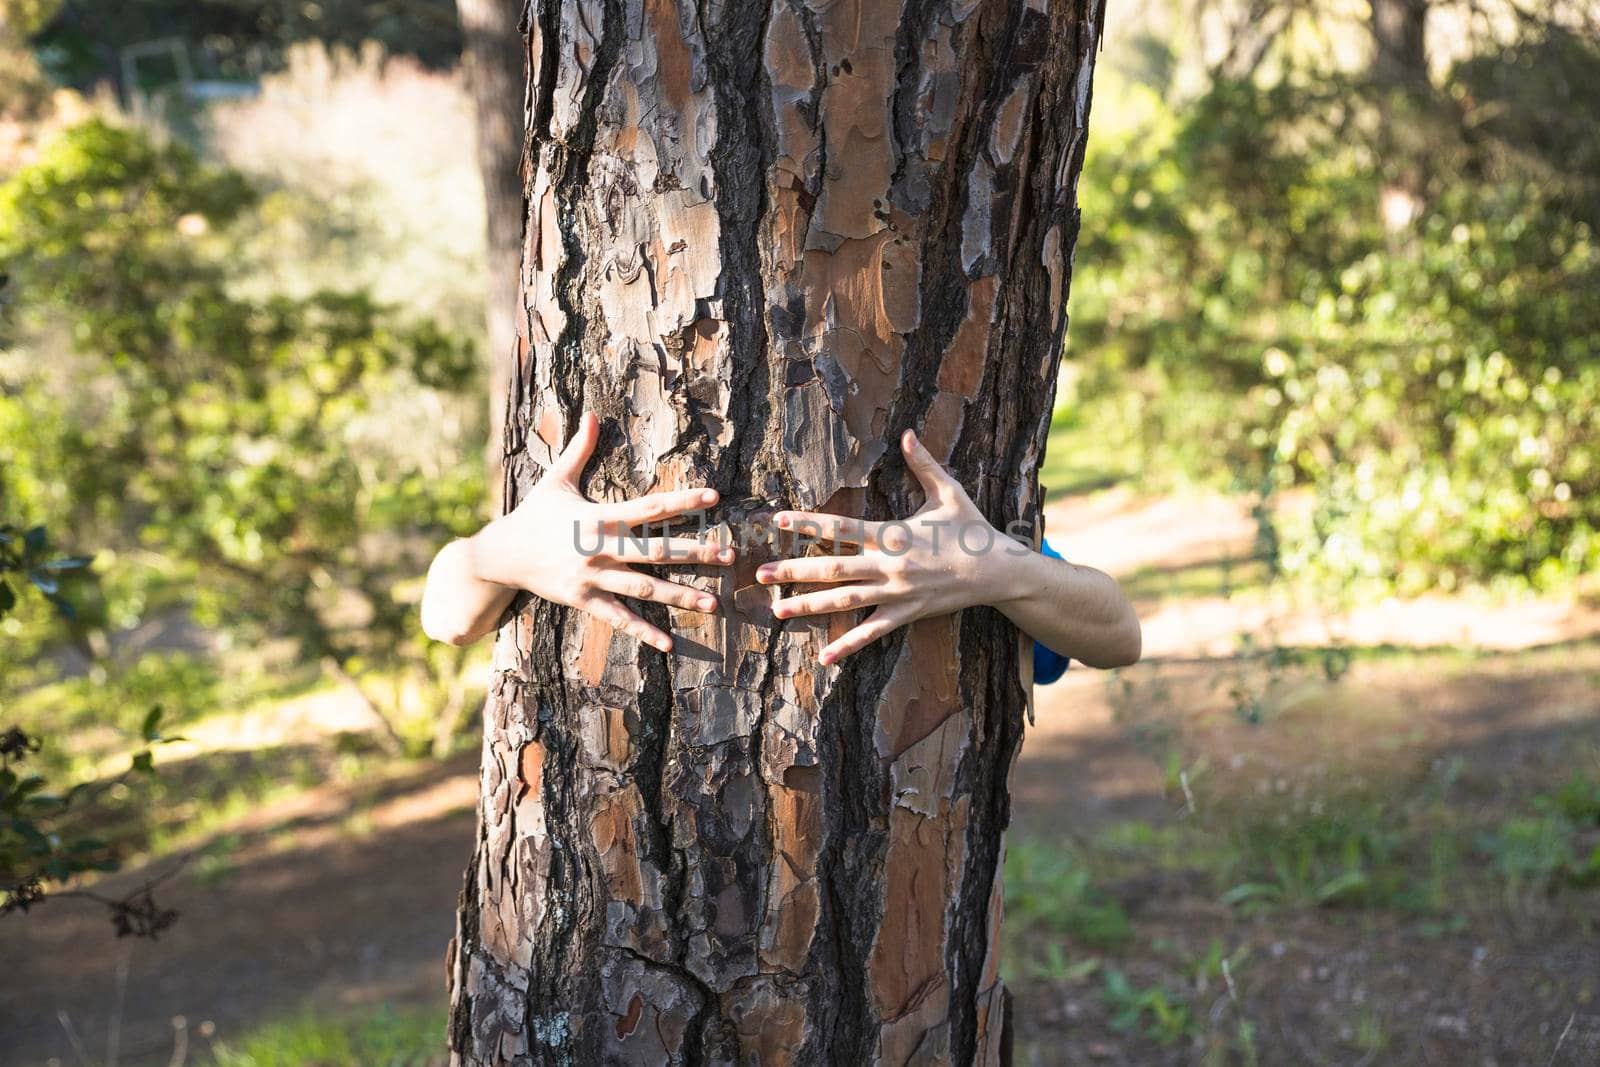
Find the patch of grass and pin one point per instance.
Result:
(1536, 855)
(1078, 460)
(388, 1037)
(1337, 852)
(214, 864)
(1049, 891)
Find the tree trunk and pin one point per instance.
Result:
(762, 239)
(492, 58)
(1400, 55)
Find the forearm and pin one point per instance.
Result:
(459, 605)
(1074, 610)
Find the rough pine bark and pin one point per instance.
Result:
(762, 239)
(492, 59)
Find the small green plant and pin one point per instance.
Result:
(1340, 852)
(1577, 799)
(1153, 1011)
(1553, 848)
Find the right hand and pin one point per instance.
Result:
(537, 546)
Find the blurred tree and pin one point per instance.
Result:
(245, 440)
(763, 239)
(493, 59)
(241, 38)
(1399, 38)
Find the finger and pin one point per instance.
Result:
(658, 507)
(879, 624)
(935, 480)
(609, 610)
(828, 601)
(681, 550)
(820, 569)
(627, 582)
(814, 524)
(568, 466)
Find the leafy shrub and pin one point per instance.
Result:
(1245, 311)
(257, 445)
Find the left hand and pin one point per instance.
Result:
(946, 557)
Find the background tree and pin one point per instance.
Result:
(762, 239)
(492, 59)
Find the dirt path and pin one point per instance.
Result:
(317, 911)
(318, 907)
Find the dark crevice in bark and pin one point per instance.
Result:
(740, 160)
(857, 845)
(579, 340)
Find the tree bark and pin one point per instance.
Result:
(762, 239)
(492, 59)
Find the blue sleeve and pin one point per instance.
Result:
(1048, 665)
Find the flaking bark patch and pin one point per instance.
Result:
(761, 240)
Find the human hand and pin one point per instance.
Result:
(547, 545)
(946, 557)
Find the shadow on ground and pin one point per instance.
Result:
(357, 918)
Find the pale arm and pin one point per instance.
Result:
(459, 606)
(1074, 610)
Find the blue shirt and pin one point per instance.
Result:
(1048, 665)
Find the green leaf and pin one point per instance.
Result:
(1343, 886)
(1249, 891)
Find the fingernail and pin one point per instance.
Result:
(780, 613)
(709, 496)
(763, 574)
(706, 603)
(825, 659)
(727, 555)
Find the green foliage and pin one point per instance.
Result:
(1342, 852)
(38, 850)
(25, 554)
(237, 36)
(385, 1038)
(257, 445)
(1155, 1011)
(1554, 847)
(1432, 381)
(1048, 891)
